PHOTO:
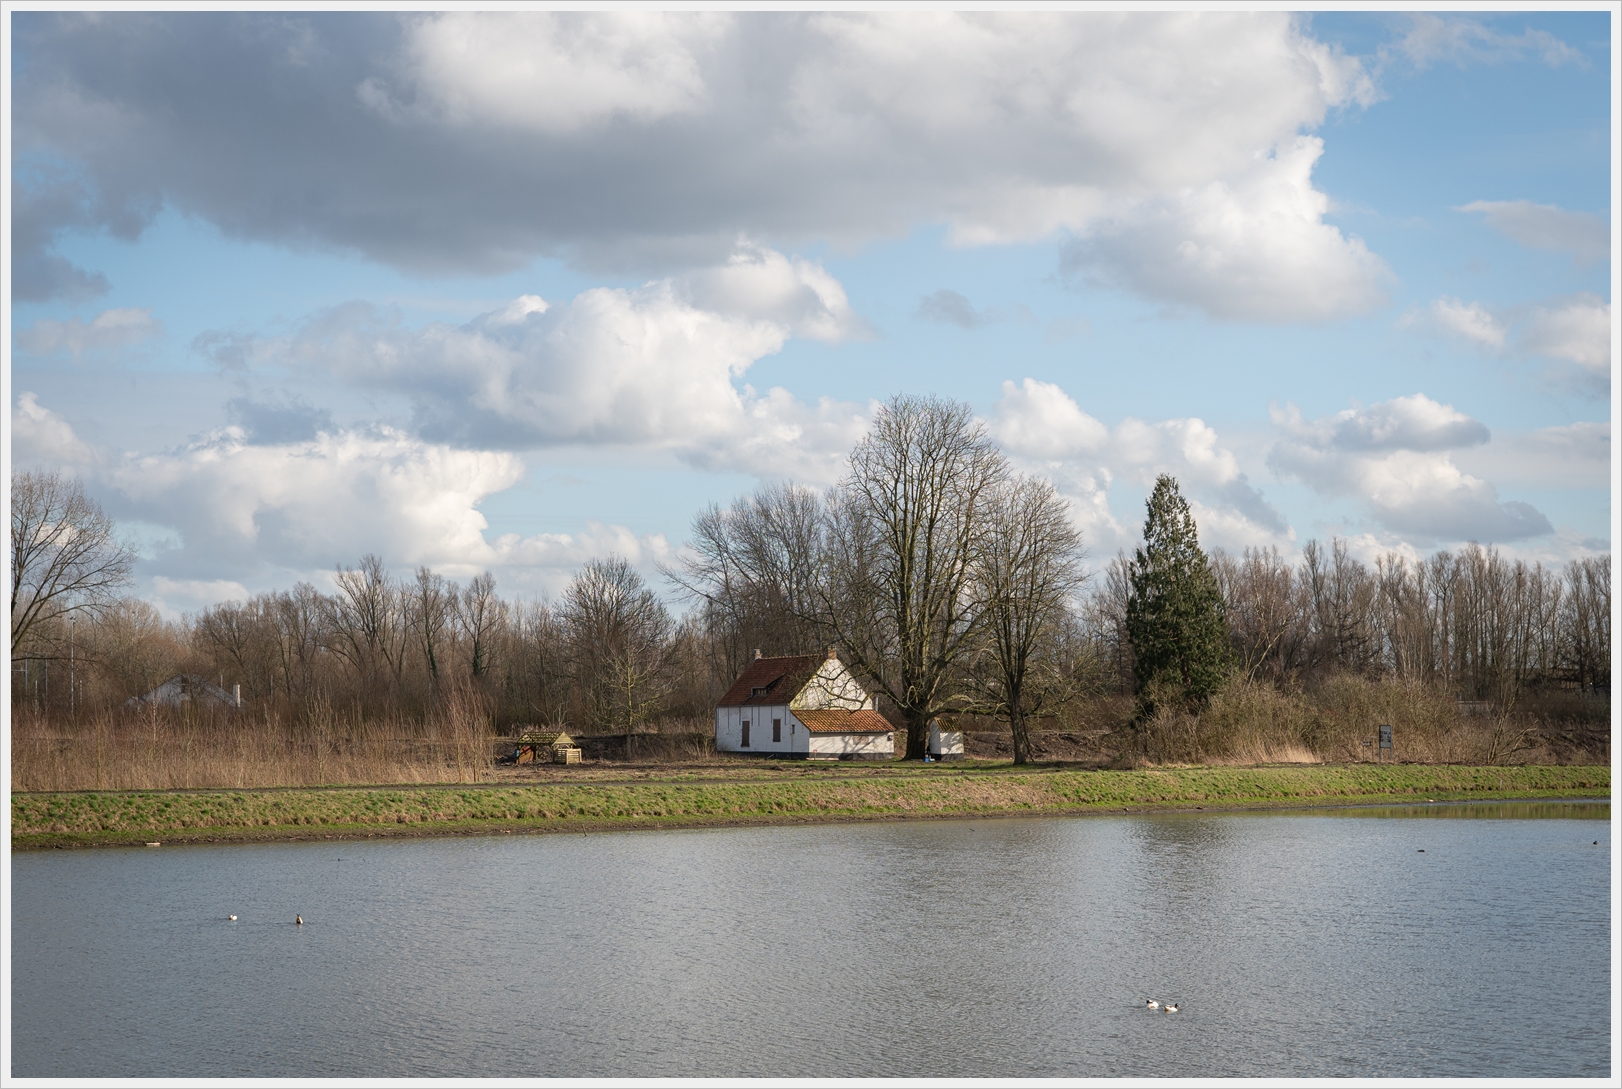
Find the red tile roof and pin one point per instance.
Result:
(834, 721)
(771, 681)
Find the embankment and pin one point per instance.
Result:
(107, 818)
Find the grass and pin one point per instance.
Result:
(40, 820)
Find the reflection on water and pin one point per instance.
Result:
(1432, 942)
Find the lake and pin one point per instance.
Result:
(1469, 940)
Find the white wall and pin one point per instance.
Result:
(833, 687)
(870, 745)
(729, 730)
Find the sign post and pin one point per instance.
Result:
(1385, 742)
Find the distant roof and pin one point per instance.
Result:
(835, 721)
(771, 680)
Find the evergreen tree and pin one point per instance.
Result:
(1175, 621)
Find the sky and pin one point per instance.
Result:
(511, 291)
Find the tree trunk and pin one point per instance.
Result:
(917, 736)
(1022, 737)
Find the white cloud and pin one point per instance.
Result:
(1568, 456)
(42, 437)
(949, 307)
(551, 72)
(107, 330)
(1172, 142)
(175, 597)
(1039, 420)
(1462, 40)
(1547, 227)
(314, 503)
(653, 367)
(1577, 330)
(1396, 457)
(1045, 431)
(1249, 247)
(1472, 321)
(1571, 330)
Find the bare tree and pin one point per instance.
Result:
(65, 558)
(1027, 575)
(365, 620)
(433, 605)
(480, 616)
(905, 529)
(619, 644)
(754, 568)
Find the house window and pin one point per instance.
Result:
(745, 743)
(777, 729)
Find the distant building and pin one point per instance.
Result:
(801, 706)
(944, 744)
(190, 688)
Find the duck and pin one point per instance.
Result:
(1171, 1007)
(298, 920)
(231, 918)
(1150, 1003)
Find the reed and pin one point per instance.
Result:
(158, 748)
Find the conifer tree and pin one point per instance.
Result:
(1175, 621)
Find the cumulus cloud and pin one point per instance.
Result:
(1251, 247)
(553, 74)
(1472, 321)
(224, 508)
(632, 140)
(1576, 330)
(1573, 332)
(655, 367)
(1547, 227)
(107, 330)
(1396, 457)
(44, 438)
(312, 503)
(1044, 429)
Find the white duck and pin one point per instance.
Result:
(1150, 1003)
(1171, 1007)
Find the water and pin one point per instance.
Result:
(1318, 944)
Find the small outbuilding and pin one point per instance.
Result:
(801, 706)
(189, 688)
(539, 746)
(944, 744)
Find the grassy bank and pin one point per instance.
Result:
(94, 818)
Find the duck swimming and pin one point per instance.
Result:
(298, 920)
(1150, 1003)
(231, 918)
(1171, 1007)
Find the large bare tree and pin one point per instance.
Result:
(905, 529)
(619, 637)
(65, 557)
(1027, 577)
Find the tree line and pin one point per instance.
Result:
(951, 583)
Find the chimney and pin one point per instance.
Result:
(757, 654)
(833, 655)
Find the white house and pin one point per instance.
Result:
(801, 706)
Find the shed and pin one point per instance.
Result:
(804, 707)
(189, 688)
(944, 744)
(536, 746)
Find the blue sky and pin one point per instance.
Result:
(507, 293)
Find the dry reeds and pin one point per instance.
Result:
(161, 748)
(1336, 721)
